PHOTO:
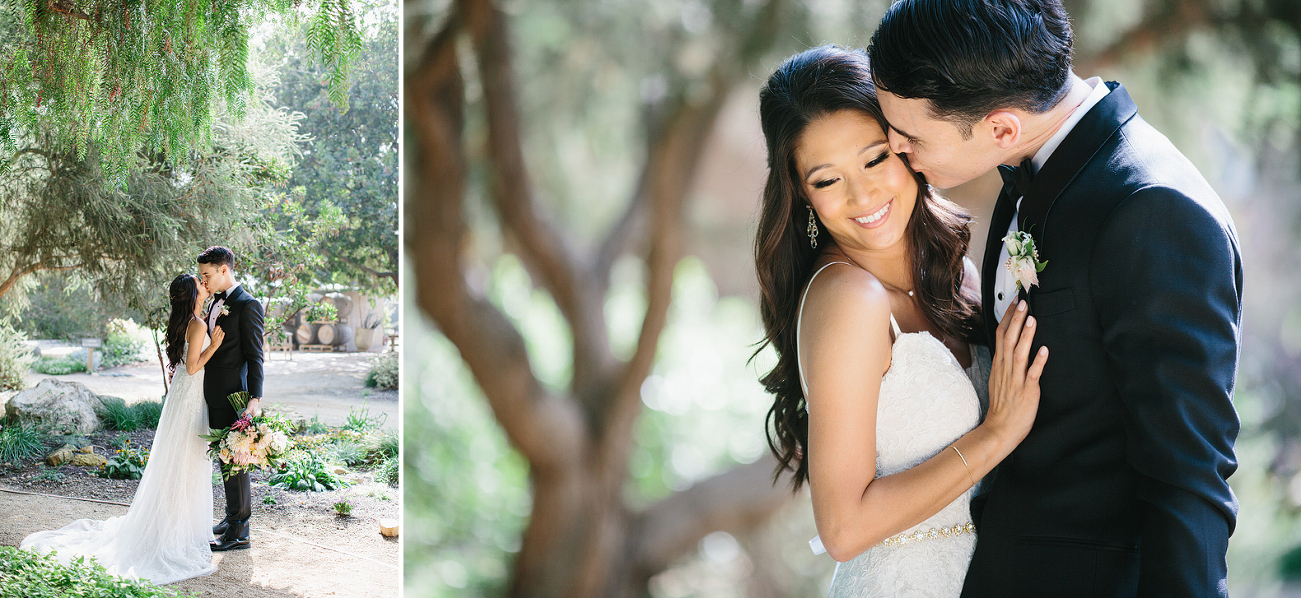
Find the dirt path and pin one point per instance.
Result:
(326, 385)
(299, 548)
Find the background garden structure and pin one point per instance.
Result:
(582, 190)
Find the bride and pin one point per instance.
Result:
(164, 535)
(873, 310)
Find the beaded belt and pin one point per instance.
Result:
(931, 534)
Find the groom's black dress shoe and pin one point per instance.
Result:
(235, 537)
(223, 544)
(221, 528)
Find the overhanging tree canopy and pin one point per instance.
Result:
(134, 81)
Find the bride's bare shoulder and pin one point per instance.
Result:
(845, 296)
(195, 331)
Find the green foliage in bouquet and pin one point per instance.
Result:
(239, 400)
(219, 441)
(126, 464)
(31, 573)
(306, 473)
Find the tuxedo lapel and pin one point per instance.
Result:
(1003, 211)
(1079, 146)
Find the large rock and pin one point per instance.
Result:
(66, 407)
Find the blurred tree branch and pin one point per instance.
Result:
(582, 539)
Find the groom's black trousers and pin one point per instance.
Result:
(239, 498)
(218, 383)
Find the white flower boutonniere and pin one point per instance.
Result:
(225, 310)
(1023, 261)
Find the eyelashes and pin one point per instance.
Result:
(823, 184)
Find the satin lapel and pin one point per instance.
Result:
(1004, 208)
(232, 297)
(1079, 146)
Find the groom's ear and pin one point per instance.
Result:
(1004, 128)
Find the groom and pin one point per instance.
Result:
(1121, 488)
(235, 366)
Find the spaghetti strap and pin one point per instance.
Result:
(894, 326)
(799, 320)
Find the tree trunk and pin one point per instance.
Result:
(582, 540)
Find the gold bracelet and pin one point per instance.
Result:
(964, 464)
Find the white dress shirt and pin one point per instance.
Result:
(215, 311)
(1004, 282)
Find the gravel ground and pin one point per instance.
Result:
(300, 547)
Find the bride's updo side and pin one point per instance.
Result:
(183, 295)
(807, 86)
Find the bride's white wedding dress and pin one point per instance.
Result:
(927, 402)
(164, 535)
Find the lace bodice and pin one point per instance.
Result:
(927, 401)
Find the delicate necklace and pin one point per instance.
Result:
(884, 283)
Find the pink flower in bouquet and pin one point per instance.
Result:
(242, 424)
(243, 458)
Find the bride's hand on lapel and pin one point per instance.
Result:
(218, 335)
(1014, 380)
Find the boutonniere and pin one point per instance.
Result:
(1023, 261)
(225, 310)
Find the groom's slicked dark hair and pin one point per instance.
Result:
(969, 57)
(217, 256)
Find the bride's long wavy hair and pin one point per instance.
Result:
(183, 295)
(807, 86)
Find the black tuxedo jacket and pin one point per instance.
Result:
(1120, 488)
(237, 363)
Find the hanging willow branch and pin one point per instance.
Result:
(138, 80)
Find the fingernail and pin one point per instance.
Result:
(1020, 306)
(1029, 322)
(1043, 350)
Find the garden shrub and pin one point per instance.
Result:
(306, 473)
(31, 573)
(381, 446)
(148, 412)
(123, 344)
(359, 419)
(117, 415)
(60, 366)
(20, 442)
(126, 464)
(351, 454)
(384, 372)
(15, 358)
(388, 472)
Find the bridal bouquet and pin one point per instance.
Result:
(251, 441)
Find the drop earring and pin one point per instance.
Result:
(813, 229)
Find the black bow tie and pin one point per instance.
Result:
(1016, 179)
(219, 296)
